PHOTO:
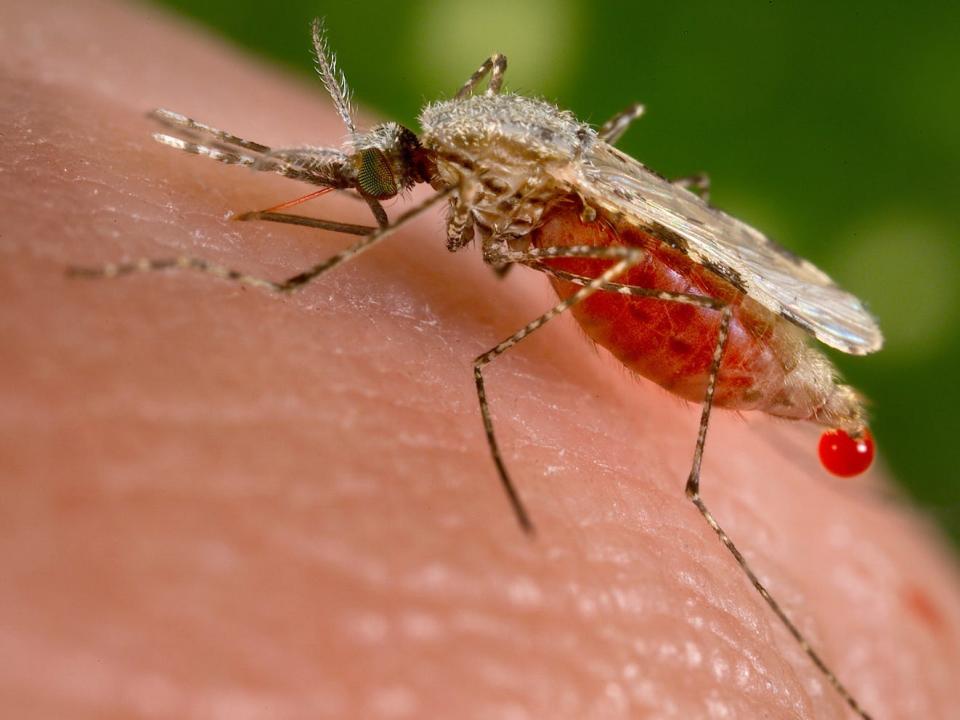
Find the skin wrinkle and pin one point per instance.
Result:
(212, 484)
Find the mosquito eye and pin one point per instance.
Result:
(374, 175)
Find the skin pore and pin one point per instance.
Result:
(219, 503)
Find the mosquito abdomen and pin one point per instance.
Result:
(767, 364)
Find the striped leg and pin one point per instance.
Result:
(634, 290)
(625, 258)
(693, 481)
(292, 283)
(698, 184)
(496, 65)
(614, 128)
(693, 492)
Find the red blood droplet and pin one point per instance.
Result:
(844, 455)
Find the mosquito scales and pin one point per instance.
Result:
(680, 292)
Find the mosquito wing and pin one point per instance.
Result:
(771, 275)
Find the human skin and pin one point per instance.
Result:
(218, 503)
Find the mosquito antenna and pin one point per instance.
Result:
(333, 78)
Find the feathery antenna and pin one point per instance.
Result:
(333, 78)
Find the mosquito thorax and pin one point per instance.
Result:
(387, 160)
(504, 154)
(506, 127)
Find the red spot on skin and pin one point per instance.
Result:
(919, 603)
(844, 455)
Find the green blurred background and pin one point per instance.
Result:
(835, 128)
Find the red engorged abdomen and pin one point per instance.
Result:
(672, 343)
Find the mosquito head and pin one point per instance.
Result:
(384, 161)
(388, 160)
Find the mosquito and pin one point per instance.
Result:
(680, 292)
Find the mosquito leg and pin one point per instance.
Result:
(614, 128)
(496, 65)
(272, 215)
(698, 184)
(496, 75)
(693, 492)
(523, 517)
(704, 301)
(625, 257)
(534, 258)
(340, 227)
(291, 284)
(378, 212)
